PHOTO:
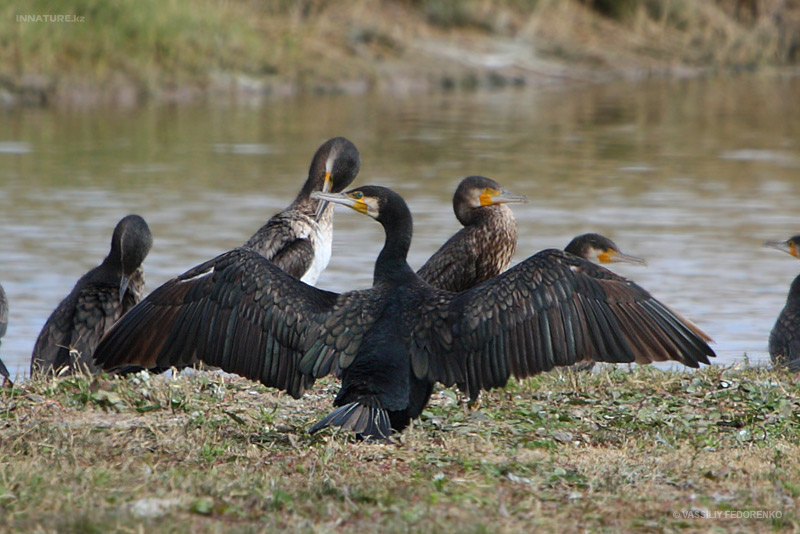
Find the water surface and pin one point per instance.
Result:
(692, 175)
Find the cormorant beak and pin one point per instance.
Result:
(326, 186)
(502, 196)
(787, 246)
(342, 198)
(613, 256)
(123, 286)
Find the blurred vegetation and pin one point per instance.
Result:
(153, 46)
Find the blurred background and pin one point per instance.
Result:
(672, 126)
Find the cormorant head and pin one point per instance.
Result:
(129, 245)
(790, 246)
(475, 192)
(380, 203)
(334, 166)
(600, 249)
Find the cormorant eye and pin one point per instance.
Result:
(358, 195)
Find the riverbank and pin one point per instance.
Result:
(619, 450)
(89, 52)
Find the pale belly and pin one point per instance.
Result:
(323, 242)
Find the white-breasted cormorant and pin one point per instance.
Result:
(392, 342)
(101, 296)
(784, 339)
(298, 239)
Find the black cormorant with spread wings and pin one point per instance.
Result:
(101, 296)
(392, 342)
(784, 340)
(298, 239)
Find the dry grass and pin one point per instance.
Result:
(129, 50)
(633, 451)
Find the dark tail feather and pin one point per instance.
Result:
(366, 421)
(3, 370)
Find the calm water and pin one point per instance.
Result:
(692, 175)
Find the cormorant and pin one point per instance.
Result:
(483, 248)
(784, 340)
(101, 296)
(392, 342)
(3, 325)
(599, 249)
(298, 239)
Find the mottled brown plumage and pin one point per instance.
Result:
(483, 248)
(298, 239)
(784, 339)
(392, 342)
(71, 333)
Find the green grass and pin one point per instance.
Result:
(613, 451)
(150, 41)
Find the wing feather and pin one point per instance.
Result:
(242, 313)
(553, 309)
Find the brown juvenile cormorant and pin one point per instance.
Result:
(784, 340)
(392, 342)
(3, 325)
(101, 296)
(483, 248)
(298, 239)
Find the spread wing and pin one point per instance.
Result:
(555, 309)
(242, 313)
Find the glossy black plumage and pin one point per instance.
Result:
(483, 248)
(298, 239)
(784, 339)
(97, 301)
(3, 325)
(392, 342)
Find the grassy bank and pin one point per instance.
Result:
(634, 451)
(130, 50)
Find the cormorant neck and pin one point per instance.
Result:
(484, 213)
(305, 204)
(398, 226)
(114, 258)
